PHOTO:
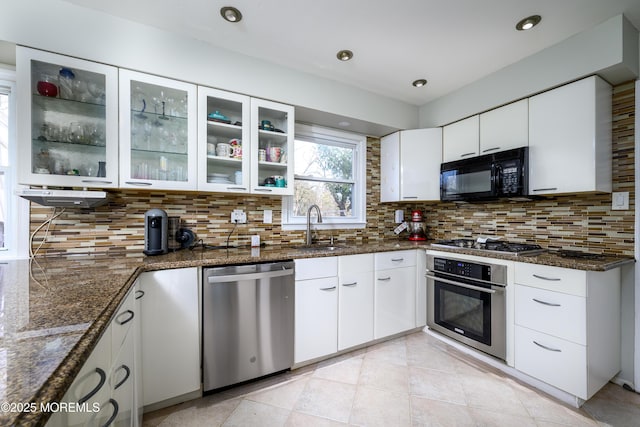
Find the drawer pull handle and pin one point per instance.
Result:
(127, 320)
(557, 350)
(490, 149)
(127, 372)
(138, 183)
(139, 294)
(550, 304)
(397, 259)
(116, 409)
(551, 279)
(332, 288)
(545, 189)
(103, 378)
(385, 279)
(468, 154)
(350, 284)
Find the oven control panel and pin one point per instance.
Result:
(471, 270)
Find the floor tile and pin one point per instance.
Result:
(298, 419)
(249, 414)
(393, 351)
(344, 371)
(327, 399)
(491, 393)
(487, 418)
(384, 375)
(434, 413)
(282, 395)
(436, 385)
(374, 407)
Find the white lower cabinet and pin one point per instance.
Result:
(567, 326)
(355, 300)
(395, 292)
(170, 334)
(316, 308)
(104, 389)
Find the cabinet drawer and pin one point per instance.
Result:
(553, 313)
(395, 259)
(555, 361)
(122, 321)
(557, 279)
(349, 264)
(316, 268)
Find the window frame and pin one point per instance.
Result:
(358, 142)
(18, 213)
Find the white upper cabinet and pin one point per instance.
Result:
(224, 133)
(461, 140)
(570, 139)
(410, 165)
(68, 127)
(158, 141)
(272, 134)
(505, 128)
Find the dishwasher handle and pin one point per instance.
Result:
(249, 276)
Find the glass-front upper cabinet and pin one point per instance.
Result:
(272, 133)
(223, 141)
(157, 132)
(68, 127)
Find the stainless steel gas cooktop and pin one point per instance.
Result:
(491, 246)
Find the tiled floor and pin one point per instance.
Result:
(415, 380)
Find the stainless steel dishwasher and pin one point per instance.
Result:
(248, 321)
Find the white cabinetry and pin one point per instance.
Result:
(505, 127)
(355, 300)
(106, 382)
(68, 127)
(567, 326)
(570, 138)
(410, 165)
(223, 118)
(395, 292)
(170, 329)
(158, 141)
(461, 140)
(272, 130)
(421, 288)
(316, 308)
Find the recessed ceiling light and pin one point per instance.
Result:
(528, 23)
(344, 124)
(344, 55)
(419, 82)
(231, 14)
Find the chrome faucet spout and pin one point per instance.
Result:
(309, 239)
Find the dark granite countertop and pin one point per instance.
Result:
(55, 309)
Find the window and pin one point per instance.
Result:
(330, 171)
(14, 211)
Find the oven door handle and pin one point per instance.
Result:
(462, 285)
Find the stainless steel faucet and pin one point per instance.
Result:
(309, 239)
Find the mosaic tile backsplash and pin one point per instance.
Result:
(583, 221)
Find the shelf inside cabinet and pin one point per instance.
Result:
(45, 142)
(274, 165)
(220, 159)
(280, 135)
(157, 152)
(224, 130)
(68, 106)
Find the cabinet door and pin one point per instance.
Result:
(272, 134)
(170, 334)
(122, 381)
(505, 128)
(355, 300)
(395, 294)
(420, 159)
(158, 141)
(316, 318)
(137, 350)
(570, 138)
(461, 140)
(224, 149)
(390, 168)
(68, 125)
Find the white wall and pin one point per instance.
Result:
(73, 30)
(609, 49)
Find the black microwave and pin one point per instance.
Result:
(491, 176)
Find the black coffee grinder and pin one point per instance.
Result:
(155, 232)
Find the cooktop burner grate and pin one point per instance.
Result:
(579, 254)
(492, 246)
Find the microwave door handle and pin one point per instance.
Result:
(498, 178)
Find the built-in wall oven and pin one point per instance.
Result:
(466, 302)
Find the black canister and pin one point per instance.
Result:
(155, 232)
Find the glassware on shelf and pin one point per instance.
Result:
(66, 78)
(47, 85)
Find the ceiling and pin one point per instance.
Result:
(450, 43)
